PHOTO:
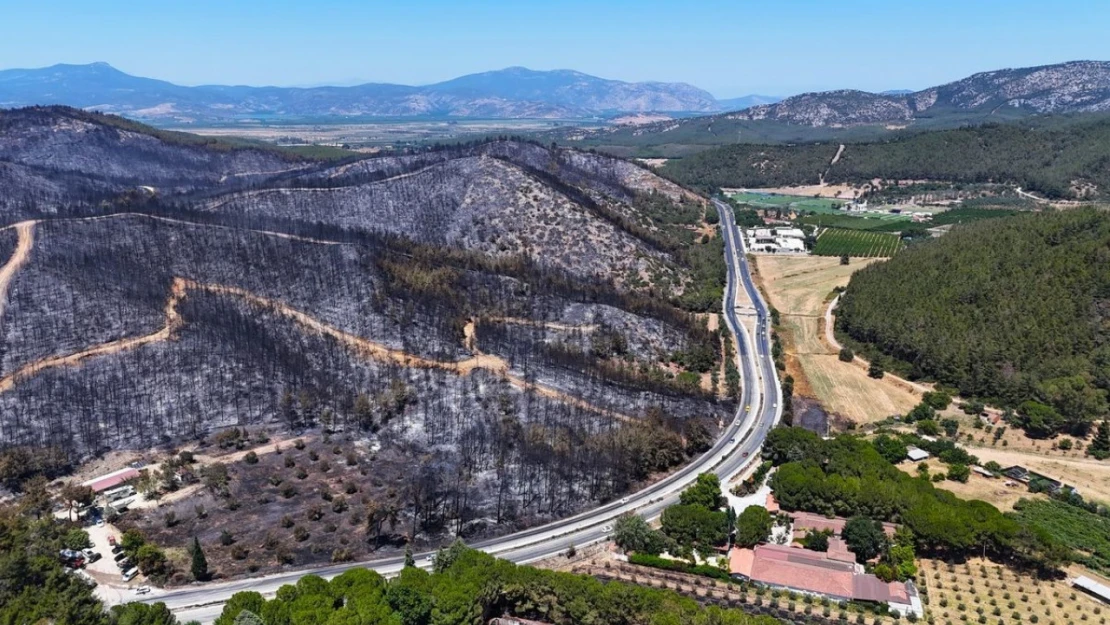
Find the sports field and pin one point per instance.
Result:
(819, 205)
(838, 242)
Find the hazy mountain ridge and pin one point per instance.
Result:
(1074, 87)
(846, 115)
(514, 92)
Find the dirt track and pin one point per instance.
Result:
(364, 347)
(26, 230)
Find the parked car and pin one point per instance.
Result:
(91, 555)
(130, 574)
(120, 555)
(142, 590)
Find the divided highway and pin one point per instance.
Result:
(760, 408)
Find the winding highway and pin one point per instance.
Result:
(760, 408)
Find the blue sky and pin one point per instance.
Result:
(730, 48)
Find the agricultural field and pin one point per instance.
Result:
(839, 241)
(983, 592)
(799, 288)
(819, 205)
(1085, 531)
(967, 215)
(881, 223)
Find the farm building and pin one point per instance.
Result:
(1096, 589)
(981, 471)
(805, 522)
(916, 454)
(829, 574)
(111, 480)
(777, 240)
(1025, 476)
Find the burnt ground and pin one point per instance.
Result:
(809, 414)
(331, 502)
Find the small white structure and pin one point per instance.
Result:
(981, 471)
(790, 233)
(790, 245)
(916, 454)
(1100, 591)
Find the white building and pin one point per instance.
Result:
(915, 454)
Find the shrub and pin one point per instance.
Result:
(678, 566)
(250, 458)
(299, 444)
(287, 521)
(226, 538)
(300, 534)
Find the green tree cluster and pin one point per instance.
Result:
(1047, 160)
(474, 588)
(847, 476)
(753, 526)
(697, 521)
(1014, 315)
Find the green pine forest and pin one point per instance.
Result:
(1014, 311)
(1045, 158)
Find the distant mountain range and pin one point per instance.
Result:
(1075, 87)
(515, 92)
(846, 115)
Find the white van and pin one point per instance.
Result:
(130, 574)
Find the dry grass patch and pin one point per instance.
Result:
(1090, 476)
(991, 490)
(799, 288)
(846, 390)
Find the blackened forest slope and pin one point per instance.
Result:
(422, 302)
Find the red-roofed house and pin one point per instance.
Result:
(804, 522)
(111, 480)
(820, 573)
(772, 504)
(838, 550)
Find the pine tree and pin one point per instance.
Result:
(1100, 446)
(875, 369)
(200, 563)
(409, 560)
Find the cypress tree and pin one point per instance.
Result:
(200, 563)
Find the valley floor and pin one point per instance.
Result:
(800, 288)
